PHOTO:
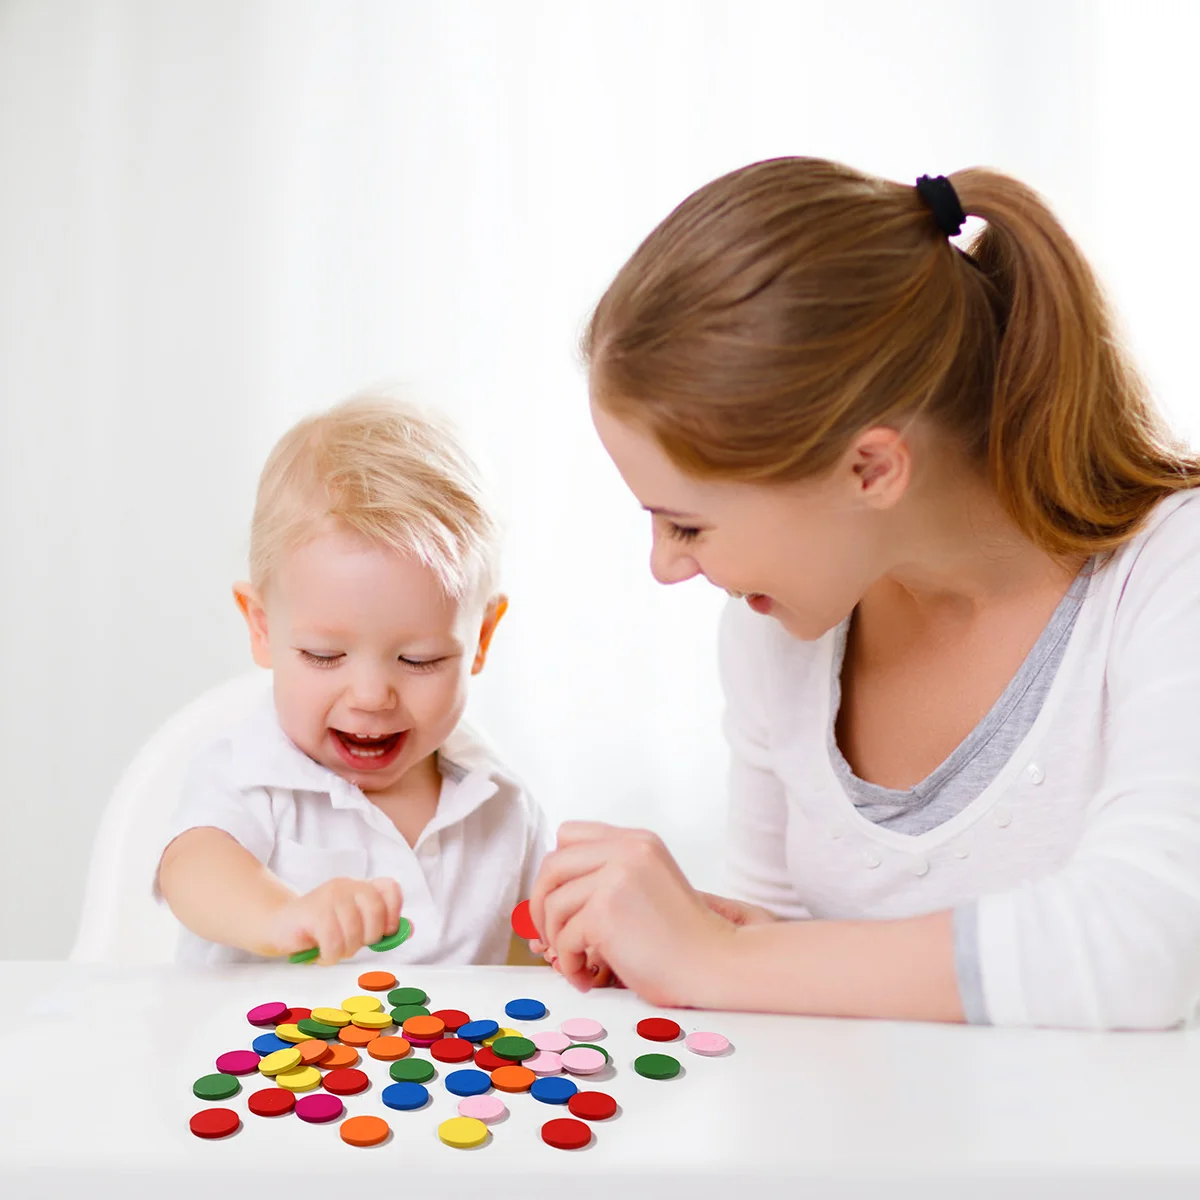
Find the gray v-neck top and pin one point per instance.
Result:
(981, 755)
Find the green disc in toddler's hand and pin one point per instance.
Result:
(394, 939)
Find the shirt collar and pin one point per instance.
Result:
(264, 756)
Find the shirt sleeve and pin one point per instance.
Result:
(209, 798)
(1112, 939)
(756, 829)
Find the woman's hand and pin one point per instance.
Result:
(615, 899)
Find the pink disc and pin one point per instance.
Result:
(582, 1060)
(266, 1014)
(544, 1062)
(482, 1108)
(582, 1029)
(238, 1062)
(318, 1107)
(706, 1043)
(551, 1040)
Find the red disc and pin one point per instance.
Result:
(592, 1106)
(452, 1050)
(293, 1015)
(486, 1060)
(347, 1081)
(658, 1029)
(271, 1102)
(564, 1134)
(452, 1018)
(522, 922)
(215, 1122)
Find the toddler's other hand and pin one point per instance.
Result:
(339, 917)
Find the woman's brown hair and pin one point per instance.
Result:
(787, 306)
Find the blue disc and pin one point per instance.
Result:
(468, 1082)
(268, 1043)
(552, 1089)
(525, 1010)
(476, 1031)
(405, 1096)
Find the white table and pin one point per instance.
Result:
(96, 1068)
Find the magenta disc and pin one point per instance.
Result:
(266, 1014)
(238, 1062)
(320, 1106)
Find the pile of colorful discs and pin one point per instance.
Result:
(314, 1063)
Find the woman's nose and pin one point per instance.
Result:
(671, 564)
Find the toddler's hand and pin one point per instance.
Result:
(339, 917)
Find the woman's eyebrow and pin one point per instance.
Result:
(670, 512)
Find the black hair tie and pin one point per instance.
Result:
(938, 192)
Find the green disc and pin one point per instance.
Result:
(305, 955)
(591, 1046)
(402, 934)
(402, 1012)
(216, 1087)
(317, 1029)
(514, 1048)
(412, 1070)
(408, 996)
(656, 1066)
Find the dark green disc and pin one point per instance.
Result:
(591, 1046)
(412, 1070)
(513, 1048)
(407, 995)
(216, 1087)
(317, 1029)
(402, 1012)
(402, 934)
(305, 955)
(656, 1066)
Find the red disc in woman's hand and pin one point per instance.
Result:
(522, 923)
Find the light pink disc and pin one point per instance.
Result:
(582, 1029)
(544, 1062)
(482, 1108)
(706, 1043)
(582, 1060)
(550, 1039)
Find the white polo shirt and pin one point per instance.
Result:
(472, 863)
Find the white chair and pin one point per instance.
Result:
(120, 921)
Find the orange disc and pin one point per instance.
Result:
(314, 1053)
(352, 1035)
(513, 1078)
(388, 1048)
(425, 1027)
(365, 1131)
(339, 1058)
(377, 981)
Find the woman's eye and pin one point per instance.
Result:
(682, 533)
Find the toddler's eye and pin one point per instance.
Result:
(682, 533)
(418, 664)
(321, 660)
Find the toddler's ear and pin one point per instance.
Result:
(248, 600)
(491, 618)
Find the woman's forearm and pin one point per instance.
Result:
(220, 891)
(897, 969)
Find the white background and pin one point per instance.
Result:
(218, 215)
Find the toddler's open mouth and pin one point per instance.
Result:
(368, 753)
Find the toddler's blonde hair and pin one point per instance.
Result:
(388, 471)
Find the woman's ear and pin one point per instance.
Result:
(251, 606)
(491, 618)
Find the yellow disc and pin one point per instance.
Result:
(337, 1017)
(487, 1041)
(358, 1004)
(463, 1132)
(371, 1020)
(279, 1060)
(298, 1079)
(291, 1033)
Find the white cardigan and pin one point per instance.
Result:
(1077, 869)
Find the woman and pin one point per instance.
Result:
(962, 652)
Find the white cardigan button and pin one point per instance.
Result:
(1003, 817)
(962, 850)
(871, 858)
(920, 867)
(1035, 773)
